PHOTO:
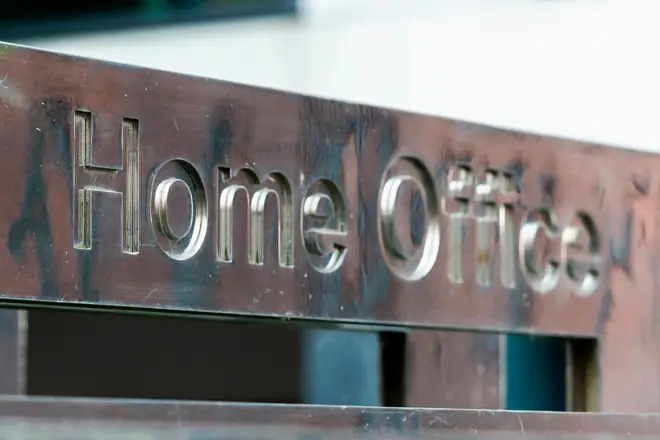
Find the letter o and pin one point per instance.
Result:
(184, 244)
(420, 262)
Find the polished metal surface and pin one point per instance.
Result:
(138, 188)
(60, 419)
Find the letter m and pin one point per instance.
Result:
(257, 191)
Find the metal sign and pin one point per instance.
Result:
(131, 187)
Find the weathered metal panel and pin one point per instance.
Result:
(60, 419)
(127, 187)
(450, 369)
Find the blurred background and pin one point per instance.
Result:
(573, 68)
(583, 69)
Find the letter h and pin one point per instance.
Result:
(90, 177)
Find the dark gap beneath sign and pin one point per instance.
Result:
(126, 356)
(393, 368)
(86, 354)
(546, 373)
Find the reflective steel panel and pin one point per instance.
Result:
(132, 187)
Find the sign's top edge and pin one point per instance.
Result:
(469, 125)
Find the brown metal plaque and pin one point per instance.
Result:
(132, 187)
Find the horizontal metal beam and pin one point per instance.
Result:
(59, 419)
(138, 188)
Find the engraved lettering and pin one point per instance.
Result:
(257, 193)
(324, 221)
(539, 252)
(415, 265)
(476, 206)
(164, 211)
(581, 254)
(92, 178)
(495, 199)
(456, 206)
(180, 234)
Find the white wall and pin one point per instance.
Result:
(578, 68)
